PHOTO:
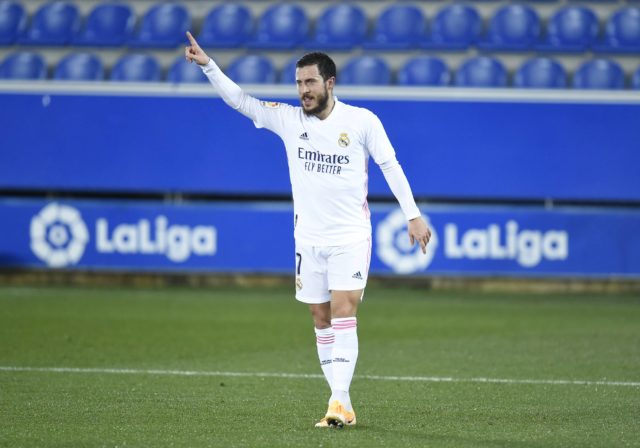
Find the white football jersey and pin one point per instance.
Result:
(328, 164)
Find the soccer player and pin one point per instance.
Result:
(328, 145)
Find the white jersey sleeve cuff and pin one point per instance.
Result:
(209, 67)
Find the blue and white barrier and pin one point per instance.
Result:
(255, 237)
(452, 143)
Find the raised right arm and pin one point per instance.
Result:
(228, 90)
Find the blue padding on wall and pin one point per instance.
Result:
(482, 149)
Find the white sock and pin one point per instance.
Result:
(345, 356)
(324, 343)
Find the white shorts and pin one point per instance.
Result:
(320, 270)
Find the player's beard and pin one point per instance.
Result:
(323, 101)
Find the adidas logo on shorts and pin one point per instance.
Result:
(357, 276)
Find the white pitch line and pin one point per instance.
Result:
(428, 379)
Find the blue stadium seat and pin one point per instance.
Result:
(136, 68)
(599, 74)
(281, 26)
(163, 26)
(54, 23)
(252, 69)
(23, 65)
(398, 27)
(288, 72)
(108, 25)
(182, 71)
(481, 71)
(622, 32)
(424, 71)
(571, 29)
(340, 27)
(455, 27)
(13, 21)
(540, 73)
(514, 27)
(79, 67)
(228, 25)
(365, 70)
(635, 79)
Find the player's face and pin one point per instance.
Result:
(312, 89)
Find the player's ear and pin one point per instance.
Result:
(331, 82)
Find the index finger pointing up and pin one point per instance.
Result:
(192, 39)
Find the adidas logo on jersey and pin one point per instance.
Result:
(357, 276)
(304, 136)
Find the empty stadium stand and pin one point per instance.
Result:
(23, 65)
(163, 26)
(227, 25)
(622, 32)
(399, 26)
(288, 72)
(136, 68)
(599, 74)
(108, 25)
(252, 69)
(571, 29)
(13, 21)
(80, 67)
(514, 27)
(53, 24)
(482, 71)
(455, 27)
(340, 27)
(635, 79)
(282, 26)
(537, 43)
(366, 70)
(182, 71)
(424, 71)
(540, 73)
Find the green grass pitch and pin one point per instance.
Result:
(237, 367)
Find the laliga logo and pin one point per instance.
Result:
(58, 235)
(395, 250)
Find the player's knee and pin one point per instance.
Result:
(345, 303)
(321, 314)
(341, 311)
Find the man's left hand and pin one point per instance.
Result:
(418, 231)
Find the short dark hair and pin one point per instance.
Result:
(326, 66)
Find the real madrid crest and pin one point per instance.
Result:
(298, 283)
(343, 140)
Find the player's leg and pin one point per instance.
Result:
(321, 314)
(344, 307)
(312, 288)
(344, 304)
(348, 269)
